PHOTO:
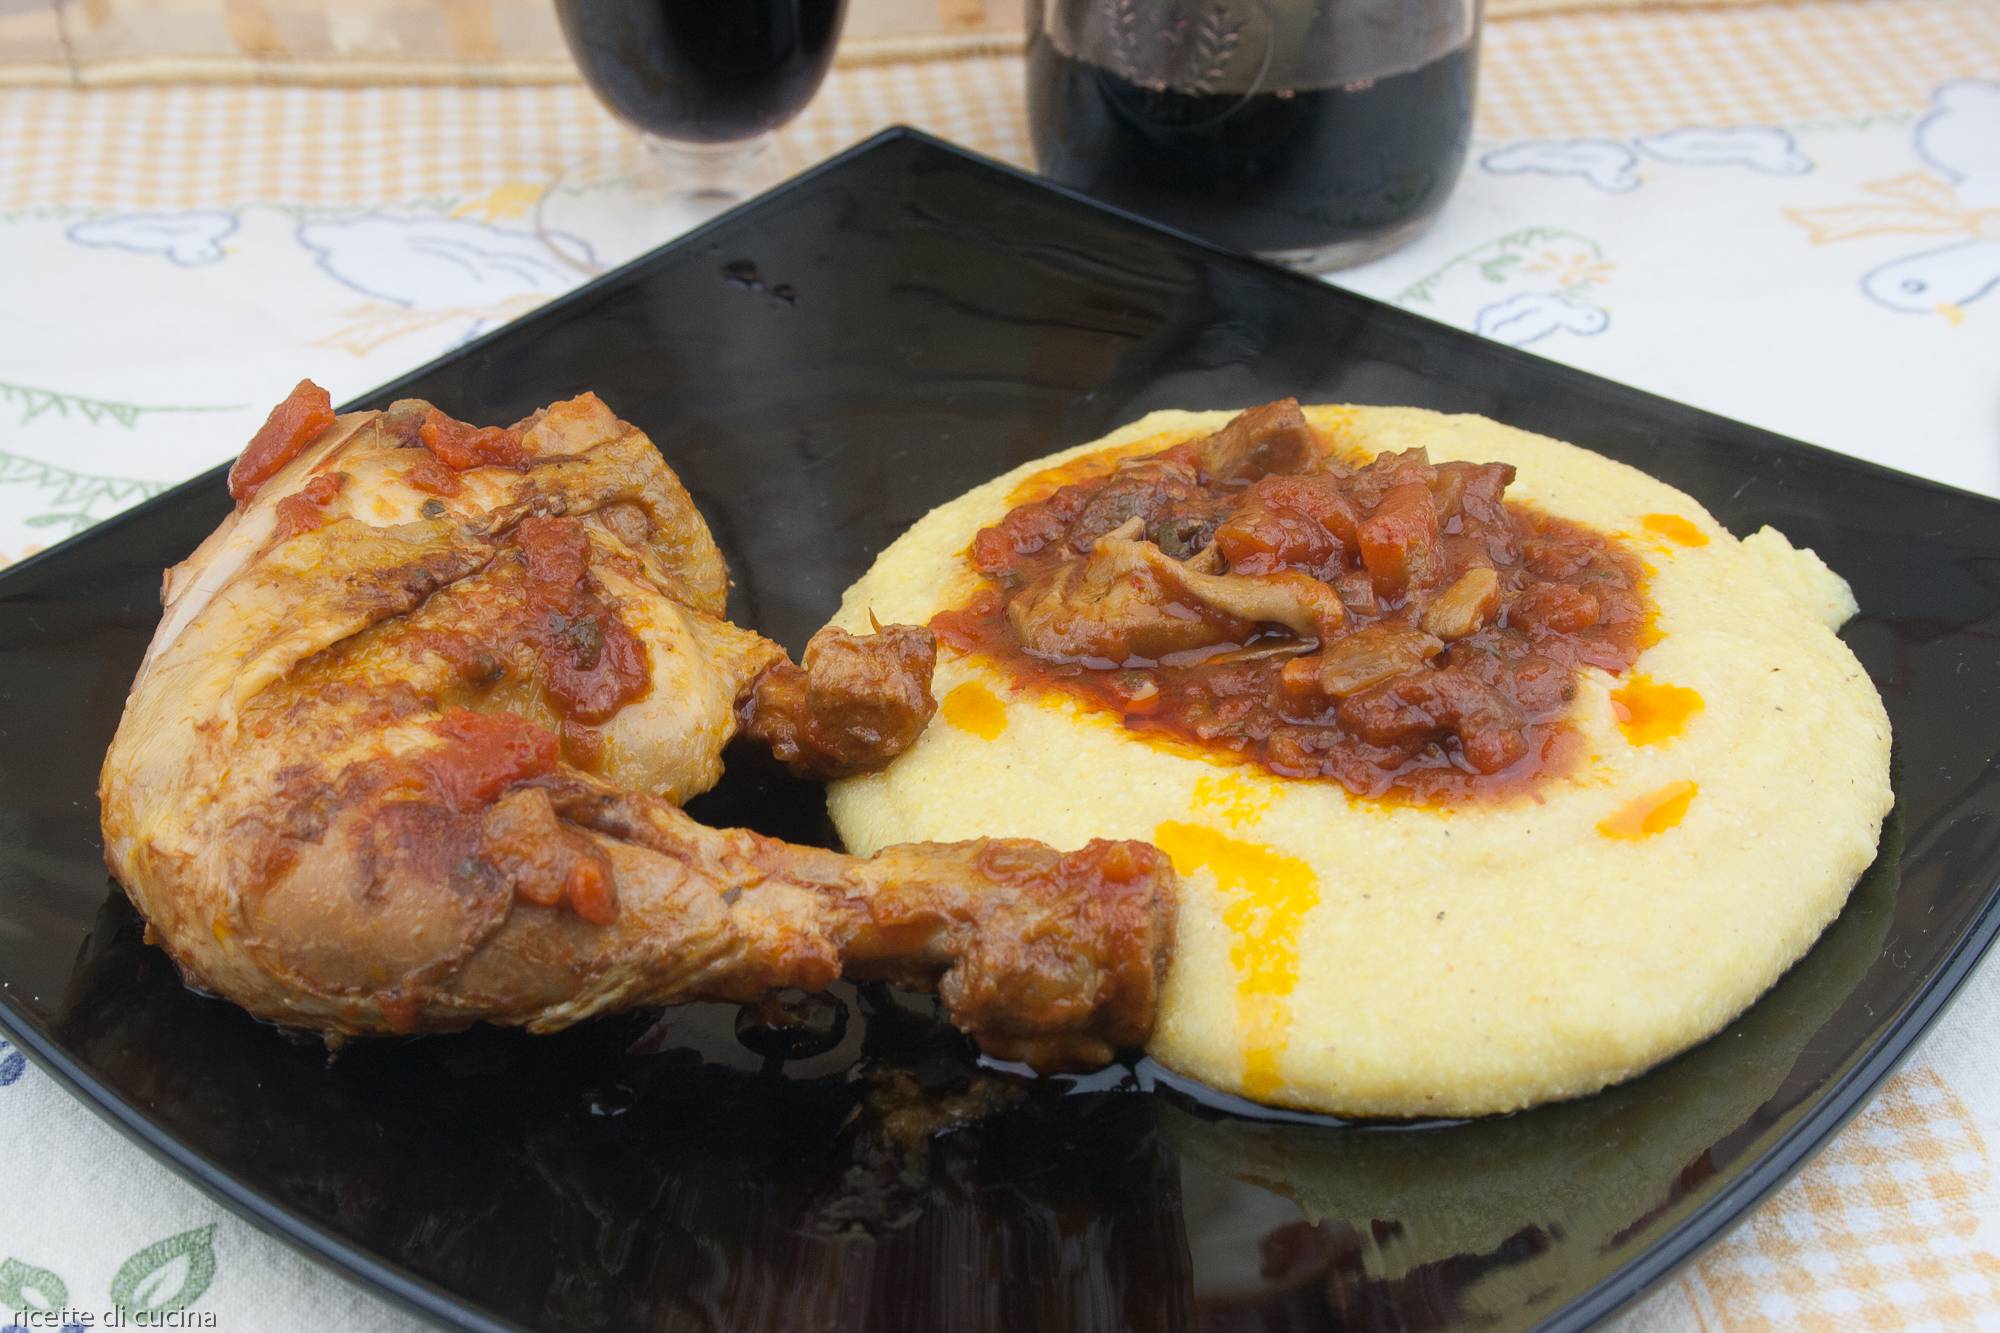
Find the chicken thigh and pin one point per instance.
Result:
(408, 749)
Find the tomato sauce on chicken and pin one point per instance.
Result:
(593, 662)
(293, 424)
(483, 755)
(460, 445)
(1397, 626)
(306, 511)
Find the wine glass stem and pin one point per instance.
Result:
(707, 170)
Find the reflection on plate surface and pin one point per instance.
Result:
(947, 320)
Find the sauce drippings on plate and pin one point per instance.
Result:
(1652, 712)
(1397, 625)
(976, 709)
(1650, 814)
(1266, 897)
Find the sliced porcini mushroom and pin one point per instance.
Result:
(1466, 607)
(1299, 602)
(1354, 662)
(1129, 599)
(1118, 603)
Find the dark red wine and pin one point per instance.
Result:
(1290, 171)
(703, 71)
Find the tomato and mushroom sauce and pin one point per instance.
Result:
(592, 663)
(1395, 625)
(543, 625)
(539, 633)
(450, 447)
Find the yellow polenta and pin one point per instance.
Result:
(1368, 959)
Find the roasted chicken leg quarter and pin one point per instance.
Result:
(409, 747)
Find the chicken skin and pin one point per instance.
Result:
(409, 746)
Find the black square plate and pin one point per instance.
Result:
(946, 319)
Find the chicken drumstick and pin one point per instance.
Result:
(408, 749)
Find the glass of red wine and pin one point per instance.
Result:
(1318, 133)
(704, 82)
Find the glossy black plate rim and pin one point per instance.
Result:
(1708, 1223)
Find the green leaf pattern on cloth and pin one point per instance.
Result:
(75, 500)
(37, 402)
(169, 1274)
(25, 1287)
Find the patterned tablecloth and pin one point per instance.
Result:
(1790, 215)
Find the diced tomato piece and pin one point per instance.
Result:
(432, 477)
(1399, 541)
(1257, 540)
(301, 418)
(1317, 496)
(305, 511)
(459, 445)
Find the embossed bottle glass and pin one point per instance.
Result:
(1319, 133)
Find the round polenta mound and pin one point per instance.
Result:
(1361, 958)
